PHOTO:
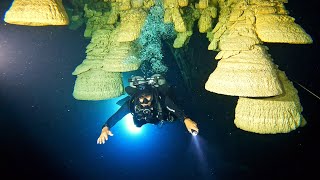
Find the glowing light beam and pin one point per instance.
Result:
(132, 128)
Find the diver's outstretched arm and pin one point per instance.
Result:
(191, 126)
(189, 123)
(124, 110)
(105, 132)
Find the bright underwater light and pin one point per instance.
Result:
(132, 128)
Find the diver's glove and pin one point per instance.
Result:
(104, 135)
(191, 125)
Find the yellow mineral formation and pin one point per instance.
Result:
(173, 14)
(114, 14)
(269, 22)
(121, 58)
(131, 24)
(97, 49)
(124, 4)
(273, 23)
(239, 36)
(206, 19)
(242, 64)
(220, 27)
(277, 28)
(183, 3)
(104, 52)
(250, 73)
(181, 39)
(136, 3)
(37, 13)
(147, 4)
(98, 76)
(279, 114)
(170, 4)
(179, 24)
(97, 84)
(202, 4)
(97, 20)
(190, 16)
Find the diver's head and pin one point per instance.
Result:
(145, 97)
(145, 100)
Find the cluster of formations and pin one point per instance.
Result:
(237, 29)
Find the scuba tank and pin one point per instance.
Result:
(140, 82)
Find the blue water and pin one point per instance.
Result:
(46, 133)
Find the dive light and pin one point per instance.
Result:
(194, 132)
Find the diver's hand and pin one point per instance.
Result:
(104, 135)
(191, 125)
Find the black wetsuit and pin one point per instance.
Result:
(170, 107)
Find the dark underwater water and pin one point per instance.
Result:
(47, 134)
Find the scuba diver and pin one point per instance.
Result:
(148, 102)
